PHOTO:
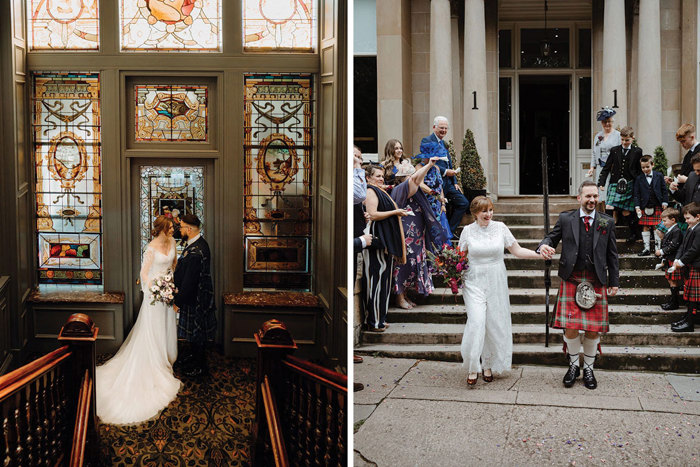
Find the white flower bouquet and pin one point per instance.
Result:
(163, 289)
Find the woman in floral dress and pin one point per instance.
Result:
(432, 186)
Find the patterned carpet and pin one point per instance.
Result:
(208, 424)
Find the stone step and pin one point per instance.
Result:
(620, 334)
(525, 218)
(625, 296)
(622, 246)
(649, 358)
(530, 278)
(531, 232)
(533, 314)
(626, 260)
(530, 206)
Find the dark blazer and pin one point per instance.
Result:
(441, 165)
(686, 193)
(605, 258)
(689, 251)
(642, 189)
(687, 167)
(192, 275)
(671, 243)
(614, 165)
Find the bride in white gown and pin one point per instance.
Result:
(487, 344)
(138, 382)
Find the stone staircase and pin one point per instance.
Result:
(640, 336)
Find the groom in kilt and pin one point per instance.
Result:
(195, 297)
(589, 254)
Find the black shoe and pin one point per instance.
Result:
(589, 379)
(570, 377)
(194, 372)
(645, 252)
(686, 326)
(683, 319)
(670, 305)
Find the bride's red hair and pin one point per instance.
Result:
(161, 224)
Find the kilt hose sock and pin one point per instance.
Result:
(573, 347)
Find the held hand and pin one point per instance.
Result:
(547, 251)
(673, 186)
(639, 212)
(433, 160)
(590, 172)
(450, 173)
(668, 179)
(368, 239)
(401, 212)
(367, 219)
(682, 179)
(175, 307)
(612, 291)
(657, 252)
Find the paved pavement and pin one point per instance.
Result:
(416, 412)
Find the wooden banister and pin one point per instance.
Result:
(14, 380)
(317, 372)
(279, 451)
(82, 421)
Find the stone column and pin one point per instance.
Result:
(441, 61)
(649, 122)
(456, 127)
(615, 59)
(475, 78)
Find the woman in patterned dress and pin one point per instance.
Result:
(422, 232)
(603, 142)
(432, 186)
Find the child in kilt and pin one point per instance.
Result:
(622, 167)
(669, 247)
(650, 199)
(688, 258)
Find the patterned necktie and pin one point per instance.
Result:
(587, 222)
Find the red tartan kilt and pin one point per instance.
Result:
(676, 275)
(691, 288)
(569, 316)
(653, 220)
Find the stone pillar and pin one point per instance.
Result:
(615, 59)
(456, 127)
(441, 61)
(475, 78)
(649, 122)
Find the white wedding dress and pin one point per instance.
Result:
(487, 334)
(138, 382)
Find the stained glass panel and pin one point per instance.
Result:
(278, 146)
(178, 25)
(279, 25)
(63, 24)
(171, 113)
(173, 192)
(66, 135)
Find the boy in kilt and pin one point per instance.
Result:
(195, 297)
(650, 199)
(669, 247)
(688, 258)
(589, 253)
(623, 167)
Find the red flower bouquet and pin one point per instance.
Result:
(450, 263)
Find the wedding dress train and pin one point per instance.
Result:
(138, 382)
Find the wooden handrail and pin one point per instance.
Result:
(82, 419)
(14, 380)
(317, 373)
(274, 426)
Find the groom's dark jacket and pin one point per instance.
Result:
(605, 260)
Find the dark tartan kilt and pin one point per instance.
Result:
(569, 316)
(195, 325)
(675, 275)
(653, 220)
(691, 288)
(623, 201)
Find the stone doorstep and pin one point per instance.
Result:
(648, 358)
(531, 278)
(626, 296)
(629, 261)
(621, 334)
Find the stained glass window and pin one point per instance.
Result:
(279, 25)
(63, 24)
(278, 147)
(162, 25)
(172, 192)
(171, 113)
(66, 134)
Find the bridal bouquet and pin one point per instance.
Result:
(163, 289)
(450, 263)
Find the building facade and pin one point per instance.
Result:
(483, 65)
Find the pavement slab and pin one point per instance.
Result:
(380, 376)
(360, 412)
(452, 375)
(688, 387)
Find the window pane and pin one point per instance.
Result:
(278, 146)
(504, 113)
(584, 48)
(279, 25)
(584, 113)
(184, 25)
(66, 132)
(172, 192)
(365, 116)
(171, 113)
(63, 24)
(532, 44)
(505, 49)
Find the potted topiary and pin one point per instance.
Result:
(660, 160)
(471, 176)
